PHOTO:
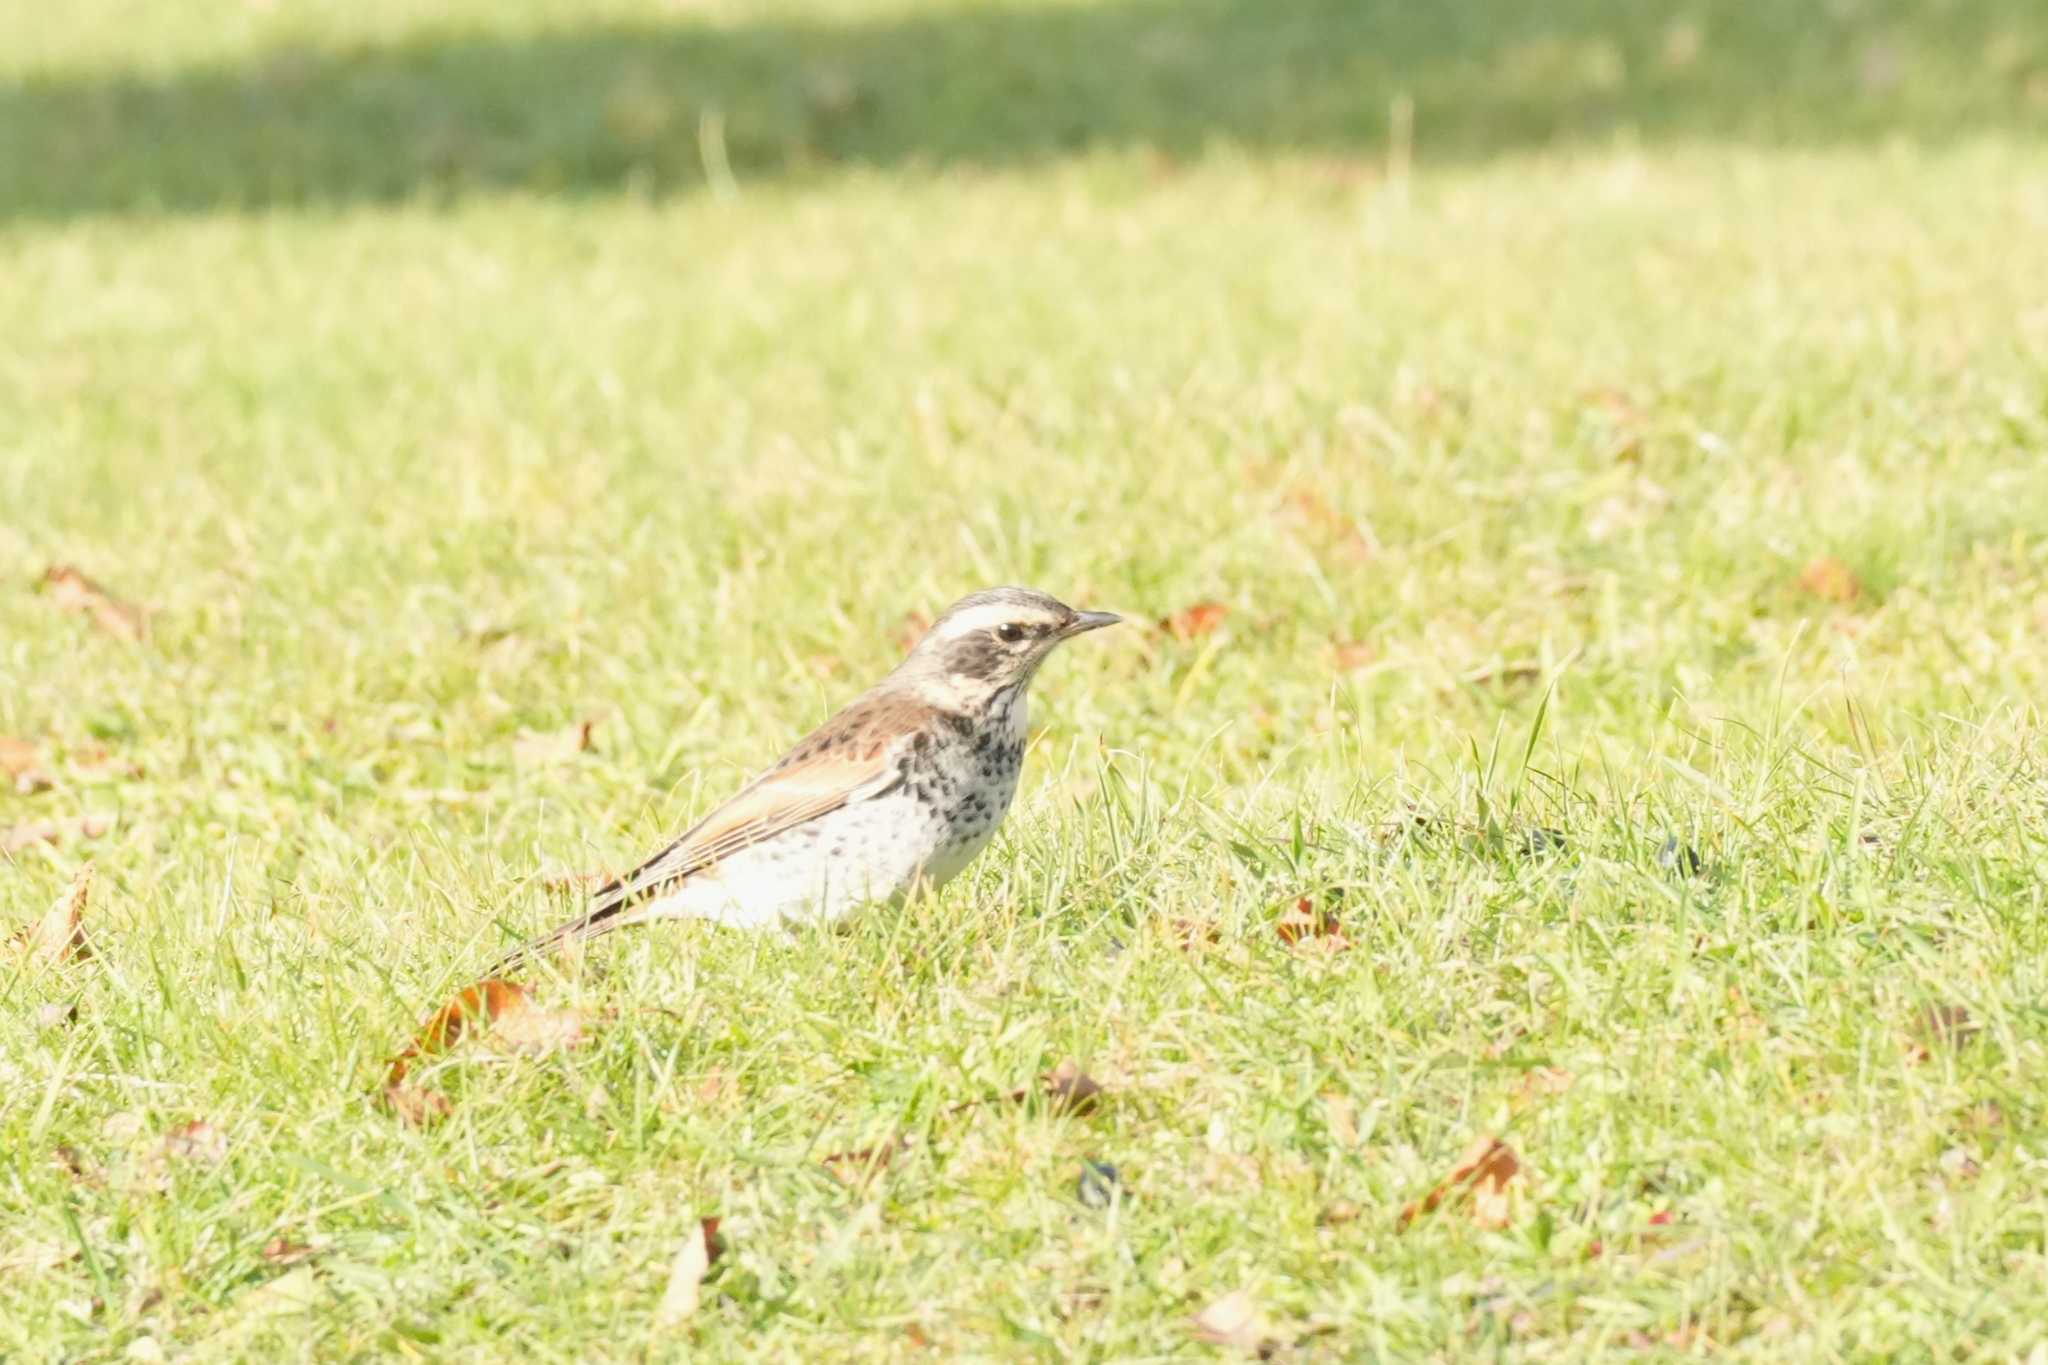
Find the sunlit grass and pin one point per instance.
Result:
(1507, 474)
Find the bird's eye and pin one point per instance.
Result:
(1009, 632)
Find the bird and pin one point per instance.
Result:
(901, 787)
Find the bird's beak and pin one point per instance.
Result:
(1090, 620)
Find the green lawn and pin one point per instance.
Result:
(439, 376)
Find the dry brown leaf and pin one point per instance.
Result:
(1069, 1089)
(70, 590)
(59, 936)
(96, 763)
(282, 1251)
(1340, 1119)
(1194, 934)
(74, 1165)
(531, 750)
(502, 1008)
(1305, 925)
(1541, 1084)
(23, 766)
(1232, 1320)
(858, 1165)
(1947, 1026)
(1335, 1215)
(686, 1275)
(1192, 623)
(1830, 580)
(1985, 1115)
(1353, 655)
(54, 831)
(1484, 1179)
(416, 1107)
(197, 1141)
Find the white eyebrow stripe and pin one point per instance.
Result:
(988, 617)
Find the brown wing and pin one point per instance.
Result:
(852, 757)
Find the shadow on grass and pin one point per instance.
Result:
(655, 108)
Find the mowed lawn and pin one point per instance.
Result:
(1614, 439)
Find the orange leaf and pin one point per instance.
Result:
(1305, 925)
(1484, 1179)
(282, 1250)
(70, 590)
(196, 1141)
(1830, 580)
(21, 763)
(1191, 623)
(502, 1007)
(1353, 655)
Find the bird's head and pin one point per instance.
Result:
(992, 641)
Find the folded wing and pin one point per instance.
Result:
(855, 757)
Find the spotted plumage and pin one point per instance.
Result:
(904, 785)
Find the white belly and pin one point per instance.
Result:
(874, 852)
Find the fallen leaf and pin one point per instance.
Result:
(417, 1107)
(503, 1008)
(858, 1165)
(1191, 623)
(1541, 1084)
(531, 750)
(1948, 1026)
(1304, 924)
(1232, 1320)
(1192, 934)
(95, 763)
(1069, 1089)
(197, 1141)
(1986, 1114)
(1830, 580)
(282, 1251)
(56, 1014)
(23, 766)
(686, 1275)
(73, 1163)
(1353, 655)
(54, 831)
(1484, 1178)
(59, 936)
(1341, 1212)
(70, 590)
(1340, 1119)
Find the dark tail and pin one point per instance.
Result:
(600, 921)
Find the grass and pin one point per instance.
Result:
(430, 396)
